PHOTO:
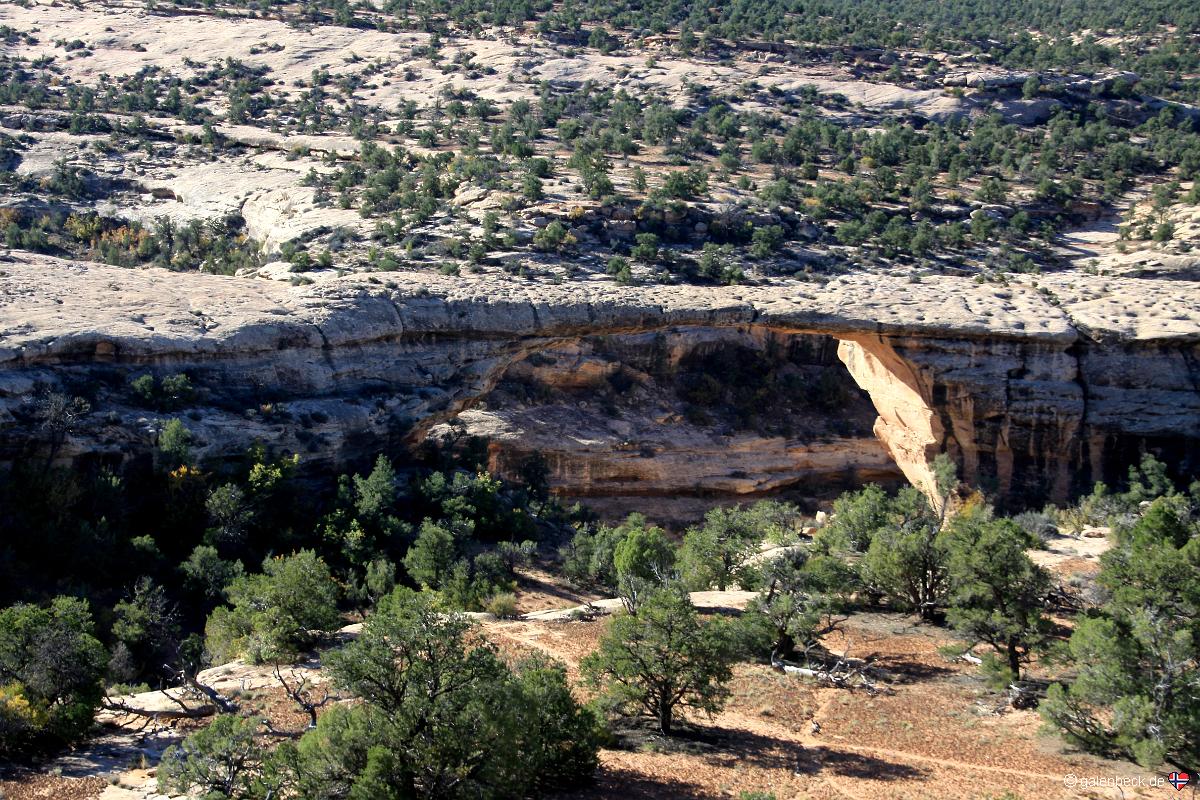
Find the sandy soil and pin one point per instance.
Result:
(539, 589)
(937, 734)
(1066, 556)
(49, 786)
(934, 731)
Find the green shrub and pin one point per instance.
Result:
(221, 760)
(553, 237)
(663, 657)
(618, 267)
(174, 442)
(503, 606)
(51, 665)
(645, 249)
(274, 614)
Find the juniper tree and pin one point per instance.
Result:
(51, 665)
(801, 599)
(1137, 690)
(998, 593)
(274, 614)
(662, 658)
(644, 560)
(717, 552)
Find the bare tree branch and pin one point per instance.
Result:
(301, 694)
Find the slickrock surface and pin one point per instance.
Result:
(123, 40)
(53, 308)
(1031, 389)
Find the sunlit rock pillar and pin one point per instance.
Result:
(907, 424)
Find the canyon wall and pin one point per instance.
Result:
(670, 421)
(1033, 395)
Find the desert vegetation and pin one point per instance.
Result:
(716, 183)
(405, 614)
(1109, 658)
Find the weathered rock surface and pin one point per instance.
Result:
(611, 473)
(121, 41)
(1035, 394)
(711, 414)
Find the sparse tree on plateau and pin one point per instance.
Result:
(998, 594)
(664, 657)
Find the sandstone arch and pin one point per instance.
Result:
(907, 423)
(1032, 404)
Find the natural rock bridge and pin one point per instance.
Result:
(1035, 392)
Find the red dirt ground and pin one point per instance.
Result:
(937, 734)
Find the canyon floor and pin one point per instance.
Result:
(933, 730)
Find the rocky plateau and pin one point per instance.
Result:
(833, 365)
(1036, 392)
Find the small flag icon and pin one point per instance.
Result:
(1179, 780)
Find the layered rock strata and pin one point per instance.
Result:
(700, 413)
(1035, 391)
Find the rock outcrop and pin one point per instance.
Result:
(688, 416)
(1036, 392)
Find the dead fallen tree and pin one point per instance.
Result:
(192, 699)
(219, 701)
(1028, 693)
(181, 711)
(839, 672)
(1064, 600)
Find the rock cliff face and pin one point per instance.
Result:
(689, 415)
(1035, 392)
(1011, 412)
